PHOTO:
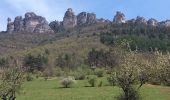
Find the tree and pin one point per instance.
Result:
(32, 62)
(67, 60)
(131, 72)
(160, 69)
(11, 81)
(101, 58)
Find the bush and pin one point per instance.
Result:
(80, 76)
(59, 72)
(38, 74)
(67, 82)
(29, 77)
(111, 80)
(133, 95)
(92, 80)
(99, 72)
(100, 84)
(155, 81)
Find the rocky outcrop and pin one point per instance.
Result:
(152, 22)
(30, 14)
(10, 26)
(86, 18)
(165, 23)
(18, 24)
(31, 23)
(56, 26)
(34, 23)
(131, 21)
(101, 20)
(140, 21)
(69, 20)
(119, 18)
(91, 18)
(43, 28)
(82, 18)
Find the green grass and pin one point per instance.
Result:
(52, 90)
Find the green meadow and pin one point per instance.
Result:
(39, 89)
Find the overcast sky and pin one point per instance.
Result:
(55, 9)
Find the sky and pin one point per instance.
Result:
(55, 9)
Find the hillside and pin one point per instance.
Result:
(86, 57)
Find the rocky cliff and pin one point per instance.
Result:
(31, 23)
(38, 24)
(119, 18)
(152, 22)
(70, 19)
(10, 26)
(140, 20)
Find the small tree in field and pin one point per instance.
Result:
(67, 82)
(130, 72)
(10, 84)
(160, 69)
(92, 80)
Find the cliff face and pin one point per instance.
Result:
(31, 23)
(34, 23)
(69, 20)
(10, 26)
(82, 18)
(119, 18)
(140, 20)
(152, 22)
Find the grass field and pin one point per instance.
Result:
(39, 89)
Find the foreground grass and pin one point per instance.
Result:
(52, 90)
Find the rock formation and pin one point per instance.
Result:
(38, 24)
(165, 23)
(86, 18)
(31, 23)
(18, 24)
(131, 21)
(91, 18)
(43, 28)
(119, 18)
(152, 22)
(69, 20)
(10, 26)
(140, 21)
(56, 26)
(82, 18)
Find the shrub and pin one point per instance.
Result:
(80, 76)
(99, 72)
(100, 84)
(38, 74)
(131, 71)
(59, 72)
(111, 80)
(29, 77)
(92, 80)
(133, 95)
(67, 82)
(155, 81)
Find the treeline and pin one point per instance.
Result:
(146, 30)
(142, 38)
